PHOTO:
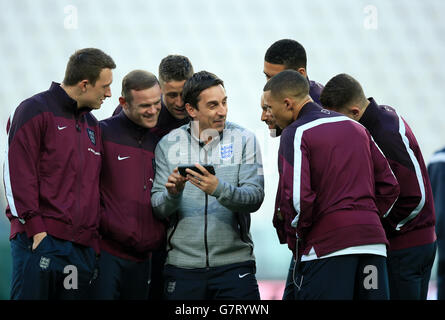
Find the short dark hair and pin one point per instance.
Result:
(137, 80)
(287, 52)
(175, 68)
(287, 82)
(86, 64)
(199, 82)
(342, 91)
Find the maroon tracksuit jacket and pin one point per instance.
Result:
(334, 185)
(411, 220)
(51, 171)
(128, 228)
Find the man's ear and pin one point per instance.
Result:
(123, 102)
(288, 104)
(82, 85)
(190, 110)
(355, 112)
(302, 71)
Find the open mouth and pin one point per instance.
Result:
(271, 125)
(180, 110)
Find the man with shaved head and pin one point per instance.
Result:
(334, 186)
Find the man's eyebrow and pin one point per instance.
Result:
(150, 104)
(212, 102)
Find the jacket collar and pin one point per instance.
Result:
(65, 100)
(307, 108)
(201, 143)
(370, 115)
(134, 128)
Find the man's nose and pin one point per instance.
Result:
(264, 115)
(179, 102)
(152, 109)
(222, 110)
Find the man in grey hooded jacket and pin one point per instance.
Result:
(210, 248)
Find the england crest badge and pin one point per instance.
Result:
(92, 136)
(44, 262)
(226, 151)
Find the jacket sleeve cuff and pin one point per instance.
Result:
(174, 197)
(34, 226)
(219, 189)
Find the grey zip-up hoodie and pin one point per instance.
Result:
(210, 230)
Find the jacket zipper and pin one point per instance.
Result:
(205, 233)
(144, 183)
(78, 175)
(205, 221)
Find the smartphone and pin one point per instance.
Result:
(183, 173)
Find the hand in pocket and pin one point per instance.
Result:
(37, 238)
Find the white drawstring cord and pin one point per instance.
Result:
(293, 278)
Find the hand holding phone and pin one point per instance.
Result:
(201, 176)
(175, 182)
(182, 169)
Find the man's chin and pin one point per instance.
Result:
(150, 124)
(275, 131)
(145, 123)
(219, 126)
(179, 114)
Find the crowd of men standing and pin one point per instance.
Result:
(108, 199)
